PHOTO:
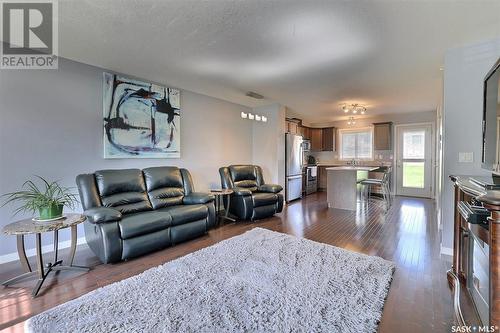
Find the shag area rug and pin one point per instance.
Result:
(260, 281)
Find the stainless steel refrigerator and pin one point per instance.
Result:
(294, 164)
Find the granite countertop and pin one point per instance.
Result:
(368, 164)
(350, 167)
(28, 226)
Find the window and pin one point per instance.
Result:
(356, 143)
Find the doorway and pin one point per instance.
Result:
(414, 160)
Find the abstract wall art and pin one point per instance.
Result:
(141, 120)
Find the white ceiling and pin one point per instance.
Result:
(308, 55)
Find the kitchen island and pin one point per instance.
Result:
(342, 185)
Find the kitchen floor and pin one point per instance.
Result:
(419, 299)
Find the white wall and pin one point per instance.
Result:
(269, 143)
(51, 125)
(464, 72)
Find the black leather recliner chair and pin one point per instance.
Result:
(252, 198)
(132, 212)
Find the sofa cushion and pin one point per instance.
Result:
(123, 190)
(250, 185)
(127, 202)
(244, 176)
(186, 213)
(134, 225)
(165, 186)
(263, 199)
(158, 177)
(242, 172)
(118, 181)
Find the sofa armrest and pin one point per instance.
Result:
(241, 191)
(270, 188)
(198, 198)
(102, 215)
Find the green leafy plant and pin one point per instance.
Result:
(47, 199)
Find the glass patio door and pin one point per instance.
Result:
(414, 160)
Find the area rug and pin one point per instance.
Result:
(260, 281)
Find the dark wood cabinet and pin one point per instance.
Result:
(469, 236)
(316, 139)
(292, 127)
(382, 136)
(305, 132)
(322, 178)
(328, 139)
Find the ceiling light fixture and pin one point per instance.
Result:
(353, 108)
(251, 116)
(351, 121)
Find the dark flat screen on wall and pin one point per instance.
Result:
(491, 120)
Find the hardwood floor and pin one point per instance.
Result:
(419, 299)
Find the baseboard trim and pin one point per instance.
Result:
(446, 251)
(9, 257)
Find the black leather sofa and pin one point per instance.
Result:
(131, 212)
(252, 198)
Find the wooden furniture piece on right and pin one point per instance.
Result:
(468, 232)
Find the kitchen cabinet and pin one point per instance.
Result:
(316, 139)
(322, 178)
(382, 136)
(305, 132)
(328, 139)
(292, 127)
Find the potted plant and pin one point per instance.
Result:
(48, 200)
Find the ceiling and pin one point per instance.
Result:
(308, 55)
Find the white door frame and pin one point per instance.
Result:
(432, 154)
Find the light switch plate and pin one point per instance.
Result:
(466, 157)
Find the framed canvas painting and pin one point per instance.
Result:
(141, 119)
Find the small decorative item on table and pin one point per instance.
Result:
(219, 203)
(47, 200)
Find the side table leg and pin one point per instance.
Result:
(72, 251)
(39, 260)
(69, 266)
(24, 263)
(56, 245)
(22, 253)
(227, 206)
(226, 215)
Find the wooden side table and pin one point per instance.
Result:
(219, 196)
(27, 227)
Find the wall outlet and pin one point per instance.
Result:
(466, 157)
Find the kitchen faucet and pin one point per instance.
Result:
(352, 162)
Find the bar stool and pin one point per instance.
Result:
(382, 183)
